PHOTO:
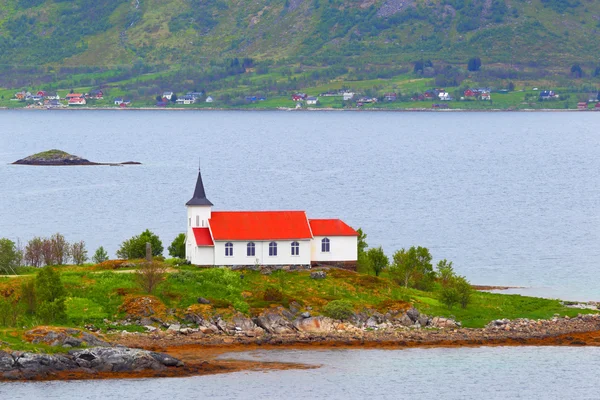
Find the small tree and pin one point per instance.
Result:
(464, 291)
(9, 256)
(48, 252)
(60, 249)
(445, 272)
(362, 241)
(413, 267)
(177, 247)
(136, 246)
(576, 71)
(34, 252)
(79, 253)
(100, 255)
(150, 274)
(377, 259)
(50, 294)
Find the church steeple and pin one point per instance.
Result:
(199, 198)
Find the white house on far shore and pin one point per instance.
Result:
(232, 238)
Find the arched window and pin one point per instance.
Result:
(228, 249)
(295, 248)
(250, 249)
(325, 245)
(272, 249)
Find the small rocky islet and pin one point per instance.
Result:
(56, 157)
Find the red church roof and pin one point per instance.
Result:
(259, 225)
(331, 227)
(202, 236)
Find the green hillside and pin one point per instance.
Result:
(229, 46)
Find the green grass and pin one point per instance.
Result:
(93, 296)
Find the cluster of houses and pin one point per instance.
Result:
(52, 99)
(188, 98)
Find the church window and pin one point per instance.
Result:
(251, 249)
(295, 248)
(197, 220)
(189, 221)
(325, 245)
(273, 249)
(228, 249)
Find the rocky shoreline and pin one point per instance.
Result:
(19, 365)
(323, 331)
(185, 351)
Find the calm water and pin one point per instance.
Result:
(470, 373)
(511, 198)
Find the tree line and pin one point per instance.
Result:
(412, 268)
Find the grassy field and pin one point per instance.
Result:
(94, 295)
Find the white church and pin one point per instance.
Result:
(230, 238)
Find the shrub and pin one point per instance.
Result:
(339, 309)
(136, 246)
(150, 274)
(28, 297)
(50, 294)
(100, 255)
(177, 247)
(272, 294)
(9, 256)
(448, 296)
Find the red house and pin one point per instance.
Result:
(469, 93)
(41, 93)
(582, 106)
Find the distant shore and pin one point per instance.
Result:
(296, 110)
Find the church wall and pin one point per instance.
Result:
(262, 257)
(204, 256)
(342, 248)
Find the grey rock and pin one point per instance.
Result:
(167, 360)
(405, 320)
(318, 275)
(174, 327)
(93, 341)
(202, 300)
(423, 320)
(295, 307)
(413, 314)
(275, 321)
(371, 322)
(7, 362)
(244, 323)
(305, 314)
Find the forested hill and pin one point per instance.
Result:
(544, 33)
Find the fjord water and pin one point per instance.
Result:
(511, 198)
(468, 373)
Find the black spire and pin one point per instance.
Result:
(199, 198)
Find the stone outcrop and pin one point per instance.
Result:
(22, 365)
(64, 337)
(60, 158)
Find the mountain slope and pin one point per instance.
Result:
(192, 32)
